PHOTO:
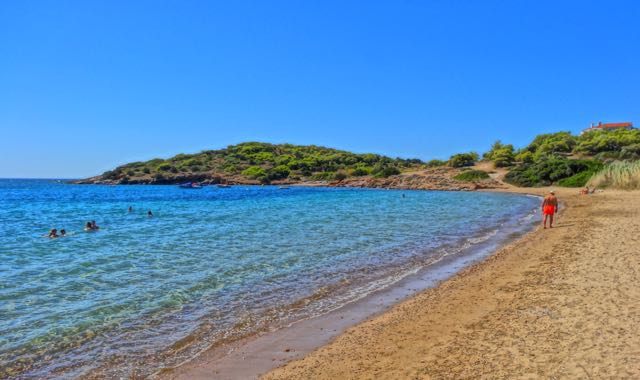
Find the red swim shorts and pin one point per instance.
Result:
(549, 210)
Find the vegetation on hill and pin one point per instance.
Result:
(553, 158)
(471, 175)
(564, 159)
(463, 159)
(264, 163)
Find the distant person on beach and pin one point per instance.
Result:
(53, 234)
(149, 214)
(549, 208)
(585, 191)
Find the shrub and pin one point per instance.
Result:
(254, 172)
(471, 175)
(146, 170)
(549, 169)
(165, 167)
(384, 171)
(524, 157)
(361, 171)
(576, 180)
(500, 154)
(279, 172)
(552, 143)
(435, 163)
(463, 159)
(323, 176)
(339, 176)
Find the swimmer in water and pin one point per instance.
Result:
(149, 214)
(130, 208)
(94, 226)
(63, 232)
(87, 227)
(53, 234)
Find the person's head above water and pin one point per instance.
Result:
(63, 232)
(53, 233)
(88, 225)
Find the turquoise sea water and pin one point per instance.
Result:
(210, 265)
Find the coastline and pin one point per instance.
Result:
(255, 355)
(560, 303)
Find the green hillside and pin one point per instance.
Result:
(555, 158)
(565, 159)
(260, 163)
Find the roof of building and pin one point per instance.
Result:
(616, 125)
(626, 124)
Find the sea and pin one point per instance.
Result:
(210, 266)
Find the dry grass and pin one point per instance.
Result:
(618, 175)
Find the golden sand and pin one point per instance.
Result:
(559, 303)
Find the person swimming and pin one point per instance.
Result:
(53, 233)
(88, 227)
(63, 232)
(130, 208)
(94, 225)
(149, 214)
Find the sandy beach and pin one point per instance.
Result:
(560, 303)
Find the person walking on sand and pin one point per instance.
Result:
(549, 208)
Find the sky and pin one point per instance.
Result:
(89, 85)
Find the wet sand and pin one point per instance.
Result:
(561, 303)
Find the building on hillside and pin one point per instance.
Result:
(608, 126)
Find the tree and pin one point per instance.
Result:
(463, 159)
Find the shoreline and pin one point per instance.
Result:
(255, 355)
(560, 303)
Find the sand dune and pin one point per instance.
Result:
(561, 303)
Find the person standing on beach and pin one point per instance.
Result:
(549, 208)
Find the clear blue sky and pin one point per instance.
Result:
(88, 85)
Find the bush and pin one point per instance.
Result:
(500, 154)
(463, 159)
(524, 157)
(146, 170)
(279, 172)
(435, 163)
(254, 172)
(548, 170)
(165, 167)
(471, 175)
(340, 176)
(360, 171)
(552, 143)
(323, 176)
(384, 171)
(576, 180)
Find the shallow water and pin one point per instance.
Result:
(210, 265)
